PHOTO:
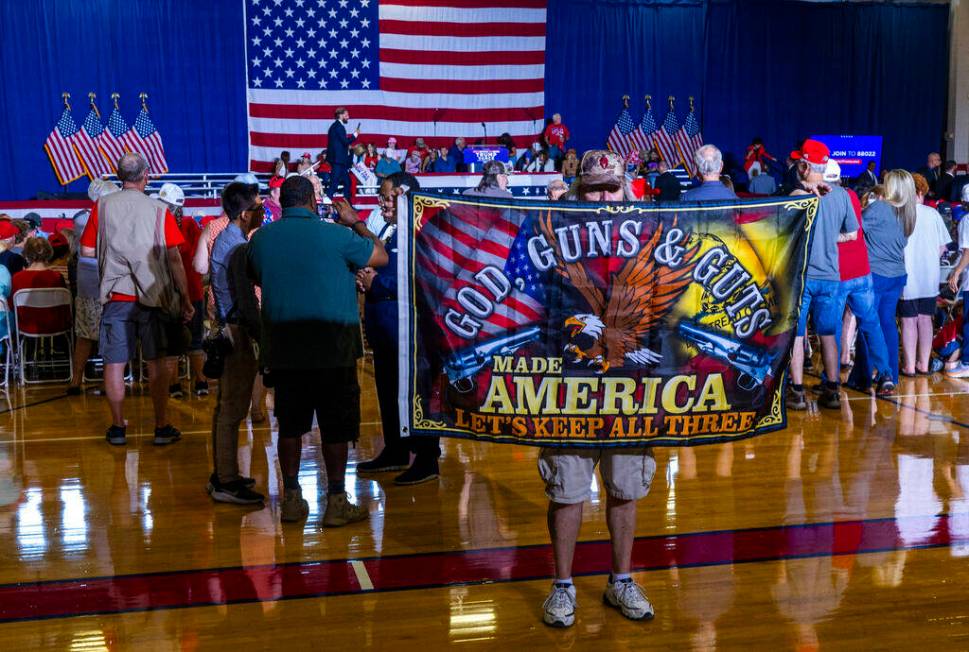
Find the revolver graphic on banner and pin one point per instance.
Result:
(462, 366)
(753, 363)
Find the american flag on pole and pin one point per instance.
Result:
(403, 68)
(60, 149)
(110, 140)
(646, 131)
(145, 139)
(689, 140)
(666, 139)
(457, 243)
(86, 142)
(620, 138)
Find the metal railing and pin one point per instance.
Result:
(207, 185)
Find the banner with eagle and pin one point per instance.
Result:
(598, 324)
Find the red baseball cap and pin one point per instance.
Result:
(8, 230)
(276, 182)
(812, 151)
(57, 240)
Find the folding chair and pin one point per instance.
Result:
(43, 299)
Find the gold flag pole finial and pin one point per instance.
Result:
(625, 101)
(649, 101)
(143, 96)
(671, 99)
(114, 99)
(91, 97)
(66, 97)
(691, 104)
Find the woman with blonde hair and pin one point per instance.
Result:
(889, 220)
(925, 246)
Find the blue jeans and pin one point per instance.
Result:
(823, 300)
(888, 290)
(859, 294)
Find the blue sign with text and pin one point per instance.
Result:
(854, 153)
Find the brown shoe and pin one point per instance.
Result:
(293, 507)
(340, 511)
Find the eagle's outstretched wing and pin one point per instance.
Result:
(574, 273)
(642, 294)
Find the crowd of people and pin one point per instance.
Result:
(268, 295)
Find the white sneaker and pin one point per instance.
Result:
(961, 370)
(629, 598)
(560, 606)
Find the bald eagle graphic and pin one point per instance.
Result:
(611, 333)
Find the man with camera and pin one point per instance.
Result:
(230, 354)
(311, 337)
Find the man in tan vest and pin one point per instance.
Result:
(142, 288)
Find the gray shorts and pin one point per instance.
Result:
(123, 325)
(627, 473)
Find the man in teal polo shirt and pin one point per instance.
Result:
(311, 337)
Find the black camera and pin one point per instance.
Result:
(216, 349)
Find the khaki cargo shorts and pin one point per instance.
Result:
(627, 473)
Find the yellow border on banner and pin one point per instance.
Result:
(809, 203)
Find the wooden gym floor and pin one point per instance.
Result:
(847, 531)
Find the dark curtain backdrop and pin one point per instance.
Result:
(186, 54)
(775, 68)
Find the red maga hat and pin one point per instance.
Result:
(276, 182)
(8, 230)
(812, 151)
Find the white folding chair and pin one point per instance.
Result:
(44, 299)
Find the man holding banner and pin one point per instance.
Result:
(597, 329)
(567, 472)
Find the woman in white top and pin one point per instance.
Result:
(925, 246)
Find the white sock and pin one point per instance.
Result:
(567, 582)
(618, 577)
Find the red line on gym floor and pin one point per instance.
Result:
(213, 586)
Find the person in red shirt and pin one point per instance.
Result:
(39, 254)
(556, 135)
(858, 297)
(371, 157)
(125, 320)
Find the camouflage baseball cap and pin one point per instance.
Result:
(601, 167)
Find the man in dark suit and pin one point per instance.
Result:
(338, 152)
(955, 194)
(867, 179)
(943, 187)
(932, 171)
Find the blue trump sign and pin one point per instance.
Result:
(854, 153)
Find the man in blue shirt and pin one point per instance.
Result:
(311, 337)
(237, 312)
(381, 321)
(709, 163)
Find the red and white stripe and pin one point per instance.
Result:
(617, 141)
(156, 153)
(87, 149)
(456, 244)
(60, 150)
(132, 142)
(443, 71)
(111, 147)
(639, 140)
(666, 144)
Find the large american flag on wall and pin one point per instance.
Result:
(404, 68)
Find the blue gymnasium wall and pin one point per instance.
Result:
(776, 68)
